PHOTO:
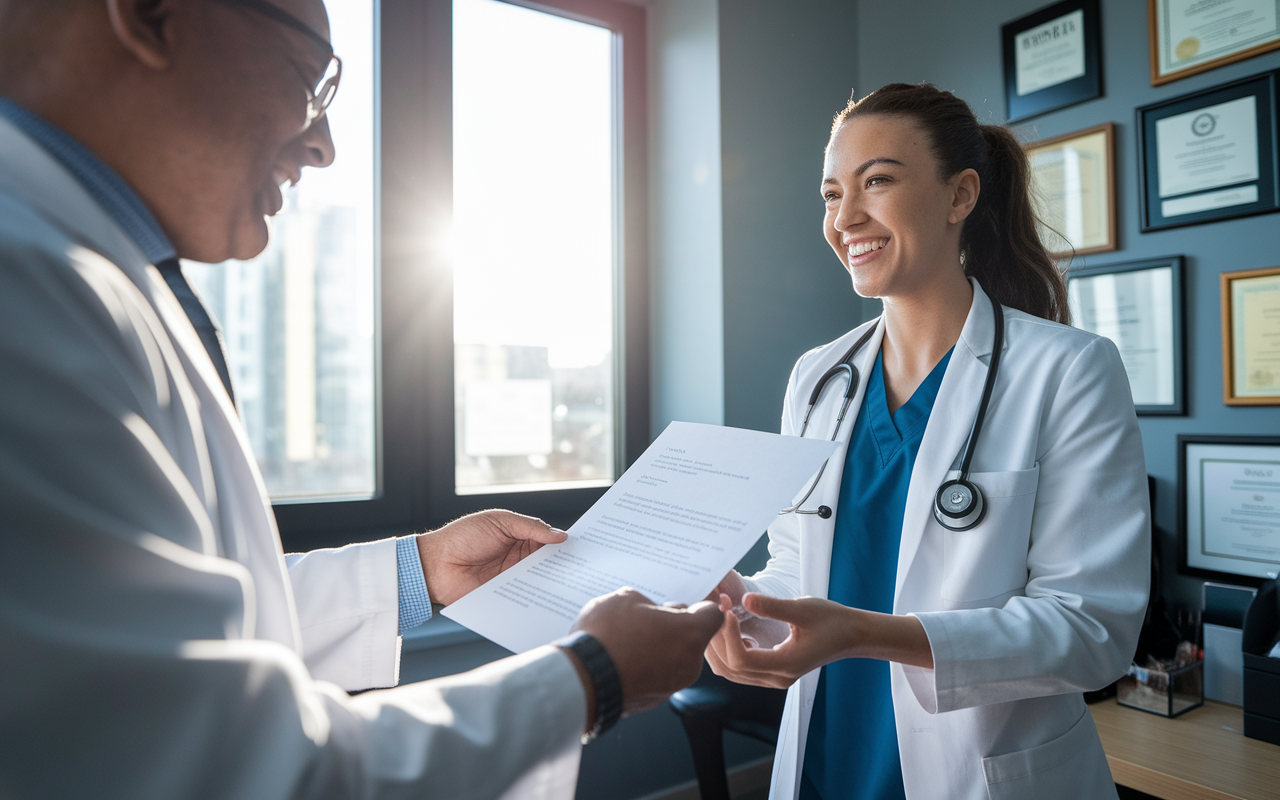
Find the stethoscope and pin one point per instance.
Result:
(959, 504)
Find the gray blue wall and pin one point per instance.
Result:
(957, 46)
(687, 300)
(786, 68)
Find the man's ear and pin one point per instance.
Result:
(143, 27)
(965, 187)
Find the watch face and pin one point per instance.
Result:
(1203, 124)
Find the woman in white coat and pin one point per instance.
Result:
(925, 661)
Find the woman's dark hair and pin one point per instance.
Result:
(999, 245)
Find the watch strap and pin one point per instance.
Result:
(604, 677)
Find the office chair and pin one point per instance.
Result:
(713, 705)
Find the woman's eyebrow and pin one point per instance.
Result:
(863, 168)
(869, 164)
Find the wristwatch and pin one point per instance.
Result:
(604, 677)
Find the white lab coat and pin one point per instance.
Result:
(1041, 601)
(153, 643)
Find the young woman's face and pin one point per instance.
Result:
(892, 221)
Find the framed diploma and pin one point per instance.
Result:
(1209, 155)
(1251, 337)
(1229, 507)
(1074, 191)
(1190, 36)
(1052, 58)
(1137, 305)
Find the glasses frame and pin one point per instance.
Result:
(321, 95)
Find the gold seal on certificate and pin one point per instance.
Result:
(1251, 337)
(1190, 36)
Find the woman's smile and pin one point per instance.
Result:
(863, 251)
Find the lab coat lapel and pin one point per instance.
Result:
(820, 533)
(952, 418)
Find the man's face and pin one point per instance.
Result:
(247, 79)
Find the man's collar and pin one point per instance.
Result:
(101, 182)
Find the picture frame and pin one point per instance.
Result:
(1187, 37)
(1217, 475)
(1209, 155)
(1251, 337)
(1073, 186)
(1052, 58)
(1138, 305)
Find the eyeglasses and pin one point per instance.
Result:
(321, 94)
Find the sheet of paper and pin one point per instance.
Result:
(1195, 31)
(1050, 54)
(1240, 509)
(1135, 310)
(1208, 147)
(691, 506)
(1256, 335)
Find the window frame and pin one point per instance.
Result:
(414, 367)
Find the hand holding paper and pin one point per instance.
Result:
(657, 650)
(671, 527)
(470, 551)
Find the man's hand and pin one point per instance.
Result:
(469, 551)
(657, 649)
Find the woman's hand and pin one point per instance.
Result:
(822, 631)
(819, 634)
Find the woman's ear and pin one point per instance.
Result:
(144, 28)
(965, 187)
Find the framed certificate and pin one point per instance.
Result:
(1229, 507)
(1190, 36)
(1208, 156)
(1052, 58)
(1137, 305)
(1251, 337)
(1074, 191)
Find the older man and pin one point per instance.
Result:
(154, 641)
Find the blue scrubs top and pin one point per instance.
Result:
(852, 748)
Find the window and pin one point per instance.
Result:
(298, 321)
(534, 200)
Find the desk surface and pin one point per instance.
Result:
(1201, 755)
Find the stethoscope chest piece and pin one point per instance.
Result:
(959, 505)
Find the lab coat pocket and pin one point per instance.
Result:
(991, 559)
(1070, 767)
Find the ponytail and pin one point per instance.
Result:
(999, 245)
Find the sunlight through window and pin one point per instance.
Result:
(534, 249)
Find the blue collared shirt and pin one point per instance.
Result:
(128, 211)
(101, 182)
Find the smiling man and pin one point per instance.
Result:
(155, 641)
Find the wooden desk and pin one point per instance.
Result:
(1191, 757)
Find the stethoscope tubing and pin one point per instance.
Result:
(845, 367)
